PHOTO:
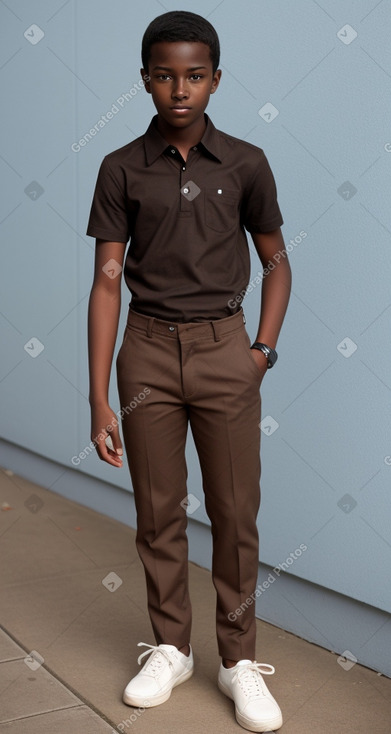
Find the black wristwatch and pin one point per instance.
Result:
(270, 354)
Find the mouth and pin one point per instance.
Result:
(180, 108)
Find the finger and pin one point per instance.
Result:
(105, 453)
(110, 450)
(116, 442)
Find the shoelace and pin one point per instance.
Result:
(157, 658)
(248, 677)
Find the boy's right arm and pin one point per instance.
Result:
(103, 316)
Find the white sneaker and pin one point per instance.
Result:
(165, 669)
(255, 707)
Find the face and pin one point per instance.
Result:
(181, 81)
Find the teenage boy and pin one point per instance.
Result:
(184, 193)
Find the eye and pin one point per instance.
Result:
(163, 77)
(199, 76)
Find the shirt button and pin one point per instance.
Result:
(173, 151)
(186, 191)
(183, 168)
(195, 147)
(171, 328)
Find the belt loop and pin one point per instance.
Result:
(215, 331)
(150, 324)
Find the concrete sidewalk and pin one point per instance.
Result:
(73, 608)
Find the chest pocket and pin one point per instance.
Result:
(221, 208)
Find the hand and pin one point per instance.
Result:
(104, 423)
(260, 361)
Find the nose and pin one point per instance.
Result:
(180, 90)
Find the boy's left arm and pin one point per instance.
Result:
(276, 288)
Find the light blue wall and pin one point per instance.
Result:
(326, 468)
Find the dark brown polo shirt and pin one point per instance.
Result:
(188, 254)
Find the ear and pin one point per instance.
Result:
(215, 81)
(146, 79)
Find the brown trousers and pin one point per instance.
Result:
(170, 375)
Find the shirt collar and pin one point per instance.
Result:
(155, 145)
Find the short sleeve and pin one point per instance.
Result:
(108, 216)
(260, 211)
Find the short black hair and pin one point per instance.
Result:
(180, 25)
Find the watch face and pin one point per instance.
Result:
(270, 354)
(272, 357)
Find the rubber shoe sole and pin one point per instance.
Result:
(249, 724)
(158, 698)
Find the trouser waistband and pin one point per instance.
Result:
(214, 329)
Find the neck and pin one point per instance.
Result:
(182, 137)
